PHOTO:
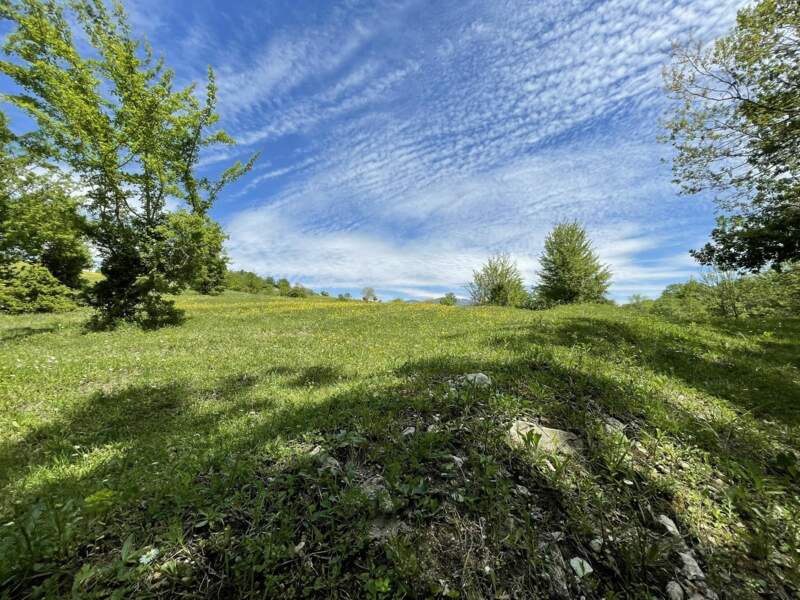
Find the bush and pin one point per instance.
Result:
(498, 283)
(27, 287)
(246, 281)
(298, 291)
(728, 295)
(570, 269)
(449, 299)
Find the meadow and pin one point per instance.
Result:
(322, 448)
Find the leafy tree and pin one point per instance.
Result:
(39, 218)
(368, 295)
(284, 287)
(449, 299)
(298, 291)
(26, 287)
(570, 270)
(724, 294)
(246, 281)
(112, 116)
(498, 282)
(735, 126)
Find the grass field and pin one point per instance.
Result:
(265, 448)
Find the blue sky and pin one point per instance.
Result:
(403, 142)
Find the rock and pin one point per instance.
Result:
(550, 440)
(372, 487)
(674, 591)
(331, 464)
(613, 425)
(669, 525)
(382, 528)
(691, 569)
(596, 545)
(557, 575)
(409, 431)
(581, 567)
(478, 379)
(522, 490)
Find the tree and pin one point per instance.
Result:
(570, 270)
(113, 118)
(284, 287)
(39, 218)
(449, 299)
(26, 287)
(735, 126)
(498, 282)
(368, 295)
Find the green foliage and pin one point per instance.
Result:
(735, 125)
(39, 219)
(498, 283)
(111, 115)
(246, 281)
(298, 291)
(284, 287)
(570, 270)
(26, 287)
(449, 299)
(722, 294)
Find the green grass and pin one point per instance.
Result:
(217, 443)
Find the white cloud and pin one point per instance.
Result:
(437, 134)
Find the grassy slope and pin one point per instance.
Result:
(195, 440)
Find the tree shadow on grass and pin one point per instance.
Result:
(18, 333)
(756, 382)
(187, 448)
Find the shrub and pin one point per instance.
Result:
(284, 287)
(498, 283)
(27, 287)
(246, 281)
(570, 269)
(729, 295)
(298, 291)
(449, 299)
(40, 220)
(368, 295)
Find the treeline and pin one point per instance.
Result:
(726, 294)
(246, 281)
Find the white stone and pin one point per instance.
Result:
(690, 567)
(409, 430)
(550, 440)
(669, 525)
(613, 425)
(581, 567)
(478, 379)
(674, 591)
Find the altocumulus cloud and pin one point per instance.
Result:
(406, 141)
